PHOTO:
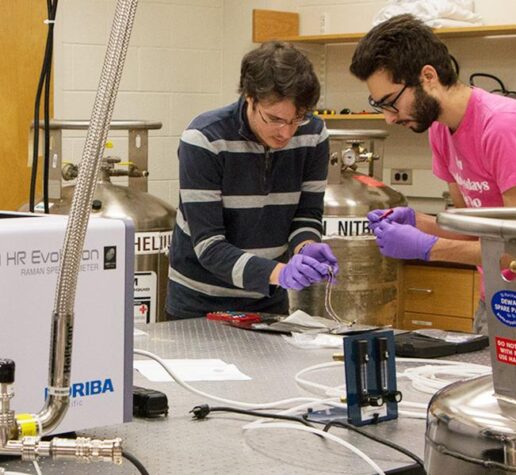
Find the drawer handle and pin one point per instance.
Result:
(420, 291)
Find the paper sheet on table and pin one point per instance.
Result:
(190, 370)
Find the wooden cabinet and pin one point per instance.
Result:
(438, 297)
(22, 36)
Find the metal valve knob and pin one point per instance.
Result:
(376, 401)
(512, 266)
(7, 371)
(394, 396)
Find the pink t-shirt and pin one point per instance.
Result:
(480, 156)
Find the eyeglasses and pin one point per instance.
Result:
(279, 123)
(387, 106)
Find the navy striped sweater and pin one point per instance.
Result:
(243, 208)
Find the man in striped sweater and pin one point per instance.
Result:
(252, 181)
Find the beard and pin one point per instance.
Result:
(426, 110)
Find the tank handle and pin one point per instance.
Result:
(486, 222)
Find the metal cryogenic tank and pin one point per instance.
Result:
(471, 424)
(367, 288)
(153, 218)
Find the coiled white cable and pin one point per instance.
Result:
(423, 379)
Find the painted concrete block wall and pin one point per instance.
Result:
(237, 41)
(403, 149)
(173, 72)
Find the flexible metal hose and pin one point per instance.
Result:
(62, 318)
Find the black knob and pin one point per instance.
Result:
(376, 401)
(393, 396)
(6, 371)
(96, 205)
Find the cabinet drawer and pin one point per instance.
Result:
(438, 291)
(413, 321)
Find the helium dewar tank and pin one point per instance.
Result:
(153, 218)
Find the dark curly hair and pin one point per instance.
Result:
(278, 70)
(402, 45)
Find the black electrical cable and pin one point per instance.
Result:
(501, 89)
(52, 9)
(44, 82)
(135, 462)
(489, 76)
(200, 412)
(380, 440)
(35, 149)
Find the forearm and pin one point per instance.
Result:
(428, 224)
(274, 277)
(452, 250)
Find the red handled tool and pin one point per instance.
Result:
(386, 213)
(237, 319)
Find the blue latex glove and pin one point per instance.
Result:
(400, 215)
(322, 253)
(403, 241)
(302, 271)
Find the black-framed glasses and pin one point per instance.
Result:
(387, 106)
(279, 123)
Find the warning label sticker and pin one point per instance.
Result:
(503, 305)
(145, 287)
(506, 350)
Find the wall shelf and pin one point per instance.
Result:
(267, 26)
(284, 26)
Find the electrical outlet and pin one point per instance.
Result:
(401, 176)
(323, 23)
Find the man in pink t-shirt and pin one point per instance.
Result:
(411, 79)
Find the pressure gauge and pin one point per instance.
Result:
(349, 157)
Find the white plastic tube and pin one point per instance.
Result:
(326, 435)
(243, 405)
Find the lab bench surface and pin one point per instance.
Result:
(218, 445)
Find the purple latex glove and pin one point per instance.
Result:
(322, 253)
(302, 271)
(403, 241)
(400, 215)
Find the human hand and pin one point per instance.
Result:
(302, 271)
(322, 253)
(403, 241)
(400, 215)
